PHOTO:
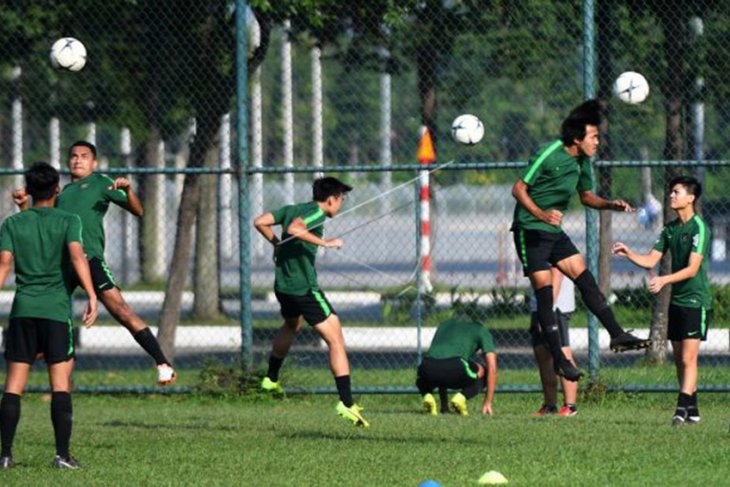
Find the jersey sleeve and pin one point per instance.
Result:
(116, 196)
(280, 214)
(701, 238)
(661, 241)
(73, 232)
(585, 180)
(6, 239)
(533, 170)
(486, 341)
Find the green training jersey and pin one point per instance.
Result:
(295, 272)
(38, 238)
(456, 338)
(552, 177)
(89, 198)
(683, 240)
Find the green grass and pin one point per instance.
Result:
(192, 440)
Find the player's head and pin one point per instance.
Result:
(580, 128)
(81, 159)
(41, 181)
(331, 193)
(684, 191)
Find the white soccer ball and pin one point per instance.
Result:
(631, 87)
(467, 129)
(69, 54)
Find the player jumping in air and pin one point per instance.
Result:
(45, 245)
(687, 238)
(297, 290)
(543, 192)
(88, 196)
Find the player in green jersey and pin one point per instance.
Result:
(45, 246)
(89, 195)
(297, 289)
(687, 238)
(450, 364)
(543, 192)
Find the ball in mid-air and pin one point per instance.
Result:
(631, 87)
(467, 129)
(68, 54)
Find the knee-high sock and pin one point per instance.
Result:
(149, 343)
(546, 317)
(62, 418)
(9, 417)
(596, 302)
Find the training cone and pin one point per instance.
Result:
(492, 478)
(429, 483)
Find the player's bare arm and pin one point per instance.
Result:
(551, 216)
(298, 229)
(693, 267)
(591, 200)
(134, 205)
(491, 361)
(81, 266)
(6, 265)
(647, 261)
(263, 224)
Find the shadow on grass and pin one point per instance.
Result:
(360, 435)
(176, 426)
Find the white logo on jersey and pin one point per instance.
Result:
(695, 240)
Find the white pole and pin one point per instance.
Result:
(225, 193)
(129, 222)
(54, 139)
(386, 154)
(17, 123)
(317, 134)
(257, 155)
(287, 109)
(160, 264)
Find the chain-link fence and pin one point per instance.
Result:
(344, 88)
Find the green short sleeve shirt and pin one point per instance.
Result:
(38, 239)
(89, 198)
(682, 241)
(456, 338)
(295, 272)
(553, 176)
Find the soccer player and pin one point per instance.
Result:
(297, 290)
(449, 364)
(543, 192)
(44, 243)
(564, 299)
(687, 238)
(88, 196)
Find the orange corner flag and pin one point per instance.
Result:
(426, 153)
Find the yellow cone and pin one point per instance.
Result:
(492, 478)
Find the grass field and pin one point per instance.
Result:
(192, 440)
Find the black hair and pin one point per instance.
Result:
(323, 188)
(41, 181)
(574, 125)
(690, 183)
(83, 143)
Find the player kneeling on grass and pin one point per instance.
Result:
(41, 242)
(687, 238)
(297, 290)
(448, 364)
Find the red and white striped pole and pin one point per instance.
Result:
(426, 155)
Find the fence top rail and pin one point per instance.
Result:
(5, 171)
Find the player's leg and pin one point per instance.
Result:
(544, 360)
(425, 387)
(279, 349)
(59, 374)
(574, 267)
(17, 377)
(570, 390)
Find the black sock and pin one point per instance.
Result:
(149, 343)
(683, 402)
(693, 409)
(546, 318)
(9, 417)
(344, 390)
(597, 304)
(274, 367)
(62, 418)
(444, 399)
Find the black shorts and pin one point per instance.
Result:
(101, 276)
(538, 337)
(452, 373)
(313, 306)
(688, 323)
(540, 251)
(25, 338)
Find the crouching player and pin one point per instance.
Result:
(449, 364)
(41, 241)
(687, 238)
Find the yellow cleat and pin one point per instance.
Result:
(268, 385)
(458, 404)
(352, 414)
(429, 405)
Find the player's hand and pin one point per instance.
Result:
(335, 243)
(21, 198)
(553, 217)
(487, 409)
(121, 183)
(656, 284)
(275, 255)
(621, 205)
(620, 248)
(90, 312)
